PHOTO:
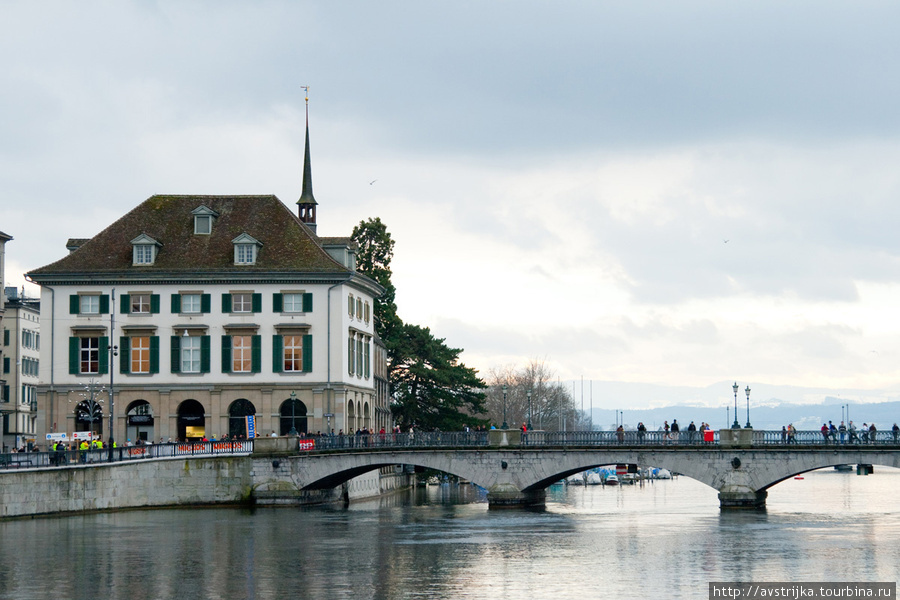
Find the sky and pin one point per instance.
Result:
(677, 195)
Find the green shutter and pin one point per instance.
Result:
(277, 352)
(104, 304)
(307, 353)
(6, 364)
(124, 304)
(226, 303)
(175, 354)
(205, 303)
(176, 304)
(154, 354)
(104, 352)
(307, 302)
(154, 304)
(125, 348)
(256, 353)
(204, 354)
(226, 353)
(277, 302)
(256, 304)
(74, 349)
(74, 304)
(6, 337)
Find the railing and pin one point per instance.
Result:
(481, 439)
(29, 460)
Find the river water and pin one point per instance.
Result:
(666, 539)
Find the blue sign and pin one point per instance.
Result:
(251, 426)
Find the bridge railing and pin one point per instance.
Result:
(31, 460)
(440, 439)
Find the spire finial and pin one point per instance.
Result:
(307, 202)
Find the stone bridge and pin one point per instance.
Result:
(519, 475)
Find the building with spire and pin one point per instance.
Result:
(200, 311)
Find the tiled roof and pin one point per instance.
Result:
(287, 245)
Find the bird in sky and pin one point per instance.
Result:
(726, 241)
(373, 181)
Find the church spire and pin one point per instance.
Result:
(307, 203)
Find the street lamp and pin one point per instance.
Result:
(735, 425)
(505, 425)
(530, 410)
(293, 430)
(748, 407)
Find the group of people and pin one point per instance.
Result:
(848, 433)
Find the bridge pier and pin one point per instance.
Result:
(742, 499)
(506, 495)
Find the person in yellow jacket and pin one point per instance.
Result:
(83, 446)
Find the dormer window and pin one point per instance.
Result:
(144, 250)
(245, 249)
(203, 220)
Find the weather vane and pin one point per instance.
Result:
(306, 88)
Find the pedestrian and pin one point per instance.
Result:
(825, 432)
(864, 432)
(896, 431)
(783, 434)
(872, 433)
(792, 434)
(842, 429)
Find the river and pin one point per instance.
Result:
(666, 539)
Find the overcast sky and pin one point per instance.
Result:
(680, 193)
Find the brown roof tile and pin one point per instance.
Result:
(287, 245)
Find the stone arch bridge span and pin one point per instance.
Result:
(519, 476)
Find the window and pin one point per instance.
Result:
(89, 355)
(359, 308)
(190, 303)
(245, 249)
(143, 254)
(350, 305)
(140, 354)
(293, 353)
(351, 354)
(293, 302)
(203, 220)
(140, 303)
(242, 302)
(203, 224)
(143, 250)
(190, 354)
(90, 305)
(241, 354)
(367, 312)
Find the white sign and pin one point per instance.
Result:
(82, 435)
(57, 437)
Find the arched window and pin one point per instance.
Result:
(140, 421)
(238, 412)
(366, 416)
(191, 420)
(351, 417)
(293, 417)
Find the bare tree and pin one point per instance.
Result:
(550, 406)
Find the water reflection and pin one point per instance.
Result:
(665, 539)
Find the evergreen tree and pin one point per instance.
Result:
(430, 388)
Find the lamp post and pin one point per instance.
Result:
(530, 410)
(505, 424)
(293, 430)
(113, 352)
(748, 407)
(735, 425)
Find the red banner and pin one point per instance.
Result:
(307, 444)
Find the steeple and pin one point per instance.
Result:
(307, 203)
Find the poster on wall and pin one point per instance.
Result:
(251, 426)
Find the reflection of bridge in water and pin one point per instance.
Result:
(516, 469)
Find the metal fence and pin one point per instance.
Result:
(535, 439)
(30, 460)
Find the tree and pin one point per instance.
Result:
(552, 407)
(432, 389)
(373, 258)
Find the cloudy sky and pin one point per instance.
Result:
(680, 193)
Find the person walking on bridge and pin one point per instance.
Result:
(896, 431)
(842, 429)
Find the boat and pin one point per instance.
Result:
(612, 480)
(843, 468)
(576, 479)
(593, 478)
(663, 474)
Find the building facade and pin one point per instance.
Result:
(199, 311)
(20, 361)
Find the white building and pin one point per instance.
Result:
(201, 310)
(20, 364)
